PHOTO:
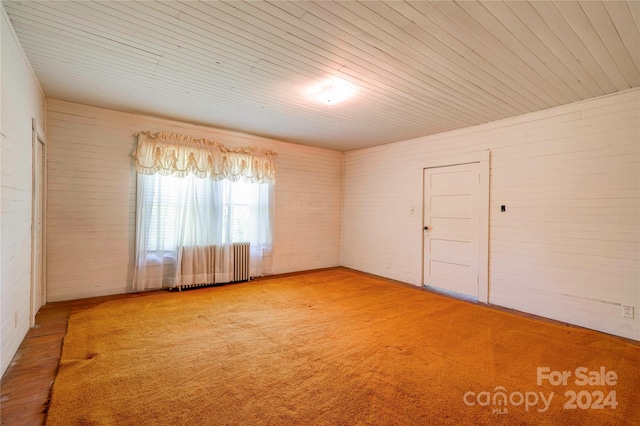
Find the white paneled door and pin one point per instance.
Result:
(451, 228)
(37, 221)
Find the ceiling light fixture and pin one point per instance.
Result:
(331, 92)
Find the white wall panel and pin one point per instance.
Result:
(568, 245)
(22, 100)
(92, 189)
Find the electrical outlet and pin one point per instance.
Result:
(627, 311)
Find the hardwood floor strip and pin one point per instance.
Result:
(26, 385)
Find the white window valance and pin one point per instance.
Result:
(171, 154)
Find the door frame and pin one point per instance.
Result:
(483, 158)
(38, 141)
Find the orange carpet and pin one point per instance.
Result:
(335, 348)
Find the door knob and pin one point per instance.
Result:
(426, 228)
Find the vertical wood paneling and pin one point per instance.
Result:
(91, 199)
(22, 100)
(568, 245)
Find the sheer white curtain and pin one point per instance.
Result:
(181, 212)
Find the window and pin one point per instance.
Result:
(198, 196)
(196, 205)
(184, 212)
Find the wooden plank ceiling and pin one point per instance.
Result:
(418, 68)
